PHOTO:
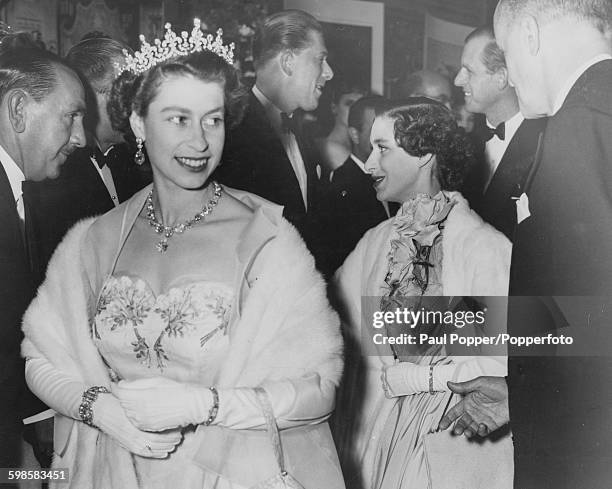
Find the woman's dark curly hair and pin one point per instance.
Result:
(423, 126)
(131, 92)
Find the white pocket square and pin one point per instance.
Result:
(522, 208)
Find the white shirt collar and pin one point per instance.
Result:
(108, 150)
(571, 81)
(359, 163)
(13, 172)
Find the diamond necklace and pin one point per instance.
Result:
(169, 231)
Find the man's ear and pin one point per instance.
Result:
(287, 60)
(501, 78)
(353, 135)
(137, 125)
(17, 102)
(531, 30)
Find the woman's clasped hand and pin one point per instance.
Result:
(111, 418)
(160, 403)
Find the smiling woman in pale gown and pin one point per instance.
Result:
(158, 320)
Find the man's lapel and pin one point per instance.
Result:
(308, 153)
(12, 247)
(86, 174)
(536, 164)
(510, 177)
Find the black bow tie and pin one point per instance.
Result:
(102, 159)
(289, 123)
(499, 131)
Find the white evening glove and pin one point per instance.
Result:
(110, 417)
(159, 403)
(65, 394)
(406, 379)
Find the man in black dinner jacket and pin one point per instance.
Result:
(350, 203)
(560, 60)
(95, 178)
(506, 141)
(42, 104)
(267, 153)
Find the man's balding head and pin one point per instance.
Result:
(598, 13)
(545, 41)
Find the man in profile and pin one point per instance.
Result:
(560, 60)
(506, 141)
(350, 205)
(267, 153)
(98, 177)
(42, 103)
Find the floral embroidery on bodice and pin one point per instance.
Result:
(175, 333)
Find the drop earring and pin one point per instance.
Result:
(139, 157)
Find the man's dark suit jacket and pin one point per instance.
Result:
(351, 208)
(255, 160)
(16, 292)
(79, 192)
(497, 204)
(561, 407)
(51, 207)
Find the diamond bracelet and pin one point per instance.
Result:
(214, 409)
(89, 397)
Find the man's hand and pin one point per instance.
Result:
(483, 409)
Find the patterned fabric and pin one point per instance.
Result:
(380, 440)
(140, 334)
(415, 272)
(417, 228)
(177, 334)
(415, 260)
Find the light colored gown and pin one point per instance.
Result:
(179, 334)
(400, 458)
(267, 325)
(430, 248)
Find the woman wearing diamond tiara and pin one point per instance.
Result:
(394, 395)
(158, 320)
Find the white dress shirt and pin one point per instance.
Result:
(495, 148)
(16, 178)
(107, 177)
(289, 142)
(571, 81)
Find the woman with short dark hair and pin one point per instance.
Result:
(434, 250)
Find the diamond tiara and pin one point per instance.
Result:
(173, 46)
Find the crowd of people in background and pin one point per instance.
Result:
(188, 265)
